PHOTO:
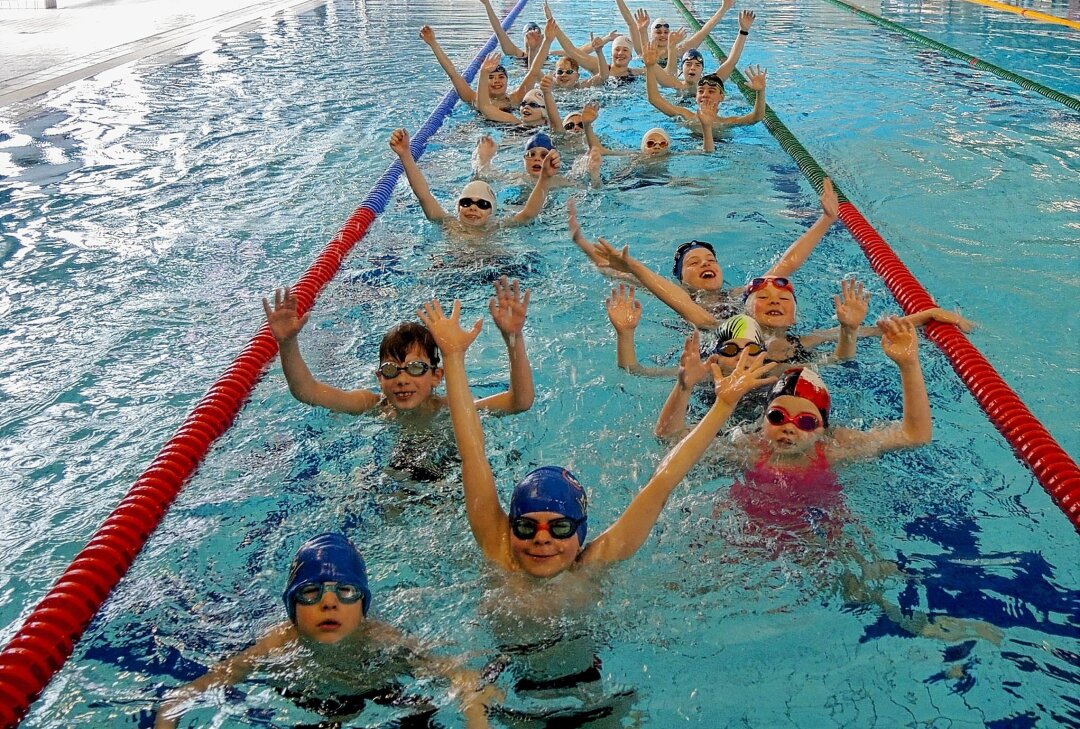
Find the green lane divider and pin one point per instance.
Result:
(1069, 101)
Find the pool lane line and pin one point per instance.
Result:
(48, 635)
(1031, 441)
(1030, 14)
(1070, 101)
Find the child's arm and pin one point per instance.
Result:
(485, 151)
(919, 319)
(508, 310)
(672, 419)
(755, 79)
(653, 90)
(703, 32)
(632, 25)
(666, 78)
(604, 70)
(707, 115)
(851, 311)
(508, 46)
(483, 98)
(552, 109)
(461, 86)
(285, 325)
(671, 67)
(538, 196)
(589, 114)
(583, 59)
(795, 256)
(590, 249)
(624, 312)
(746, 19)
(490, 524)
(399, 143)
(630, 531)
(901, 343)
(226, 673)
(667, 291)
(536, 68)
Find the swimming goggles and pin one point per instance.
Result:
(731, 349)
(655, 143)
(312, 593)
(416, 368)
(530, 105)
(562, 528)
(757, 284)
(564, 72)
(464, 202)
(574, 125)
(710, 81)
(665, 26)
(776, 415)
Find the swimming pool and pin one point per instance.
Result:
(147, 210)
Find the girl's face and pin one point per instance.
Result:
(620, 56)
(772, 307)
(566, 74)
(531, 112)
(329, 620)
(655, 143)
(701, 271)
(542, 555)
(787, 438)
(574, 124)
(534, 161)
(660, 33)
(496, 83)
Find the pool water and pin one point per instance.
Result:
(146, 211)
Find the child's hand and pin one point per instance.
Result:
(427, 34)
(746, 19)
(550, 28)
(651, 54)
(447, 332)
(623, 309)
(615, 259)
(547, 11)
(952, 317)
(611, 36)
(852, 304)
(749, 374)
(552, 164)
(641, 17)
(755, 78)
(486, 149)
(707, 113)
(283, 319)
(492, 61)
(899, 340)
(547, 83)
(728, 5)
(399, 142)
(508, 308)
(677, 36)
(590, 112)
(597, 43)
(692, 369)
(830, 203)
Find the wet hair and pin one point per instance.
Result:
(399, 340)
(569, 61)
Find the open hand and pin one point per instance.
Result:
(708, 112)
(492, 61)
(641, 18)
(852, 304)
(830, 203)
(447, 331)
(750, 373)
(623, 309)
(508, 307)
(755, 77)
(590, 112)
(284, 320)
(746, 19)
(692, 369)
(952, 317)
(677, 36)
(612, 257)
(899, 340)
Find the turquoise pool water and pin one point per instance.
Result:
(147, 210)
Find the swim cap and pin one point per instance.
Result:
(804, 383)
(328, 557)
(622, 40)
(681, 251)
(692, 54)
(499, 69)
(537, 97)
(539, 140)
(657, 131)
(479, 189)
(551, 488)
(739, 326)
(530, 26)
(711, 79)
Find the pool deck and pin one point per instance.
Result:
(42, 49)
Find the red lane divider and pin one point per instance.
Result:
(48, 637)
(1055, 469)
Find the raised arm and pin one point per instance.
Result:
(485, 152)
(674, 39)
(508, 310)
(664, 289)
(603, 69)
(624, 312)
(653, 90)
(489, 523)
(852, 305)
(552, 109)
(746, 19)
(583, 59)
(795, 256)
(483, 98)
(538, 196)
(508, 46)
(755, 79)
(698, 38)
(666, 78)
(461, 86)
(226, 673)
(399, 143)
(589, 114)
(630, 531)
(631, 25)
(285, 325)
(536, 69)
(707, 117)
(692, 370)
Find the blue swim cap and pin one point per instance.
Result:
(539, 140)
(694, 54)
(681, 251)
(530, 26)
(326, 558)
(552, 488)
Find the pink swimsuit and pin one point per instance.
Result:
(791, 499)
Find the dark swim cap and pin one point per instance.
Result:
(530, 26)
(807, 384)
(711, 79)
(326, 558)
(681, 251)
(692, 54)
(552, 488)
(539, 140)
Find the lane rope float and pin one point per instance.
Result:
(48, 636)
(1031, 441)
(1027, 13)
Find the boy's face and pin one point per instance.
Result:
(329, 620)
(788, 439)
(408, 392)
(543, 555)
(709, 92)
(565, 73)
(772, 307)
(496, 83)
(692, 70)
(701, 271)
(534, 160)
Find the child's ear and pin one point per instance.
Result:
(437, 373)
